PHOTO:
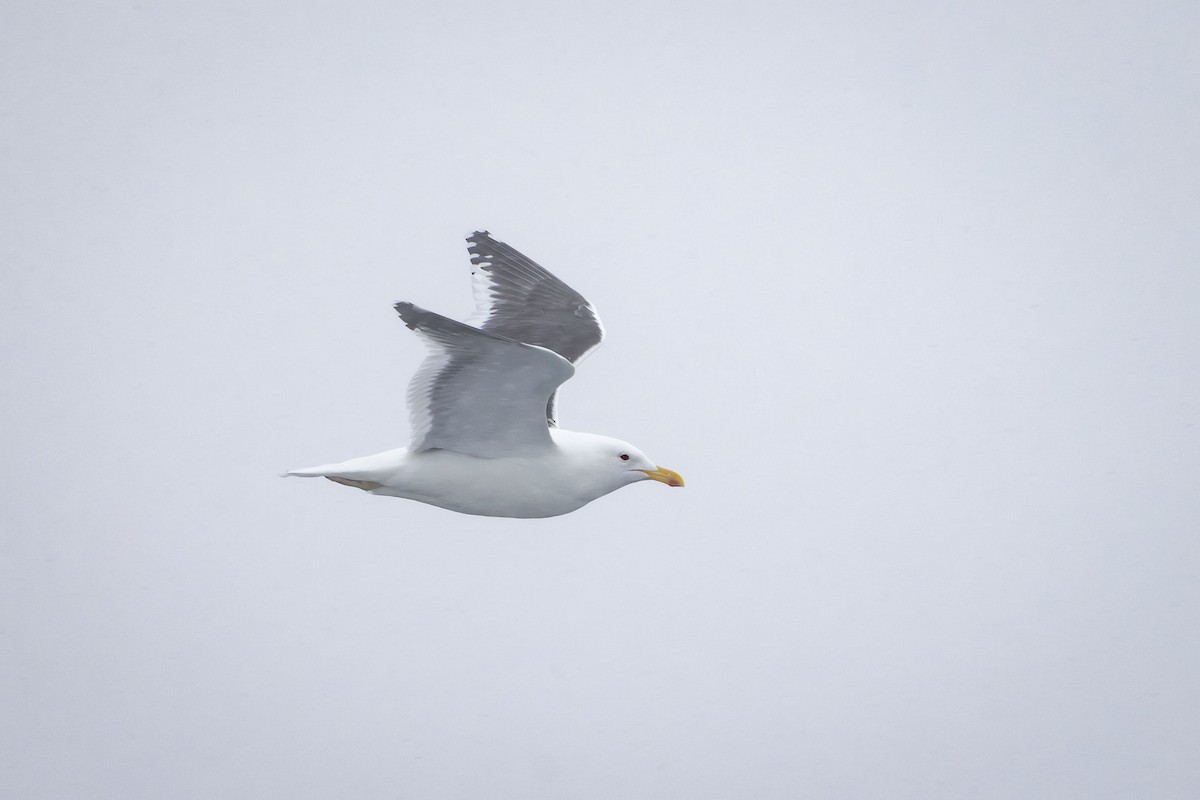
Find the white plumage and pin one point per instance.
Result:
(482, 406)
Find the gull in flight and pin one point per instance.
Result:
(485, 435)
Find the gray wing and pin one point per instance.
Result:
(520, 300)
(477, 392)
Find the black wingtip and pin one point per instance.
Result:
(408, 313)
(481, 247)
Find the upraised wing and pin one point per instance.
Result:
(517, 298)
(478, 392)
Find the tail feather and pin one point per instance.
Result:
(369, 469)
(309, 472)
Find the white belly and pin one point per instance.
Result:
(494, 487)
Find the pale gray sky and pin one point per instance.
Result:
(909, 293)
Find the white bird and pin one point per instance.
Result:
(485, 435)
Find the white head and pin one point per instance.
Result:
(610, 460)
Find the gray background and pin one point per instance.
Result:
(907, 292)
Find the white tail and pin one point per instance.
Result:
(377, 468)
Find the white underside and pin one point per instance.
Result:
(556, 481)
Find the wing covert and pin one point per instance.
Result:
(478, 392)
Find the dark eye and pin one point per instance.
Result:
(624, 456)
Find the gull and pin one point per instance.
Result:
(482, 406)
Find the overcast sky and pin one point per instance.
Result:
(909, 293)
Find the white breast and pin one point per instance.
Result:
(546, 486)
